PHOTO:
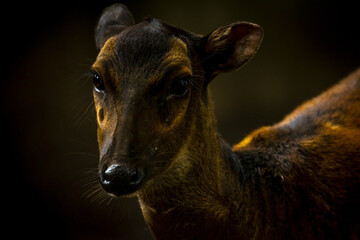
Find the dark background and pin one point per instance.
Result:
(49, 149)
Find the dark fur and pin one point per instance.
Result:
(298, 179)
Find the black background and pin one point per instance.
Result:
(49, 150)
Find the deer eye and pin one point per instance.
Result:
(180, 87)
(98, 83)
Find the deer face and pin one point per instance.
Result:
(149, 85)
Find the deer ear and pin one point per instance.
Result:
(112, 21)
(228, 48)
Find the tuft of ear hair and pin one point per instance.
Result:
(112, 21)
(229, 47)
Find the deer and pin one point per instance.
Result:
(158, 140)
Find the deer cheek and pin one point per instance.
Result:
(173, 111)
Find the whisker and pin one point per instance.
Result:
(91, 192)
(105, 197)
(85, 77)
(94, 192)
(101, 196)
(91, 155)
(88, 182)
(84, 116)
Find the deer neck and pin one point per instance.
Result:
(199, 178)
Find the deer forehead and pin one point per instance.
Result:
(108, 48)
(178, 52)
(176, 58)
(144, 59)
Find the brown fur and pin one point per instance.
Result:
(299, 185)
(298, 179)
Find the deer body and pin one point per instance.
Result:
(298, 179)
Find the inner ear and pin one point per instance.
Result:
(228, 48)
(112, 21)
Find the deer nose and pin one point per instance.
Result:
(121, 179)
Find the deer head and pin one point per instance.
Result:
(150, 90)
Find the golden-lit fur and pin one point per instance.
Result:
(297, 179)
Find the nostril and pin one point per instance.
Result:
(133, 175)
(120, 179)
(136, 177)
(112, 172)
